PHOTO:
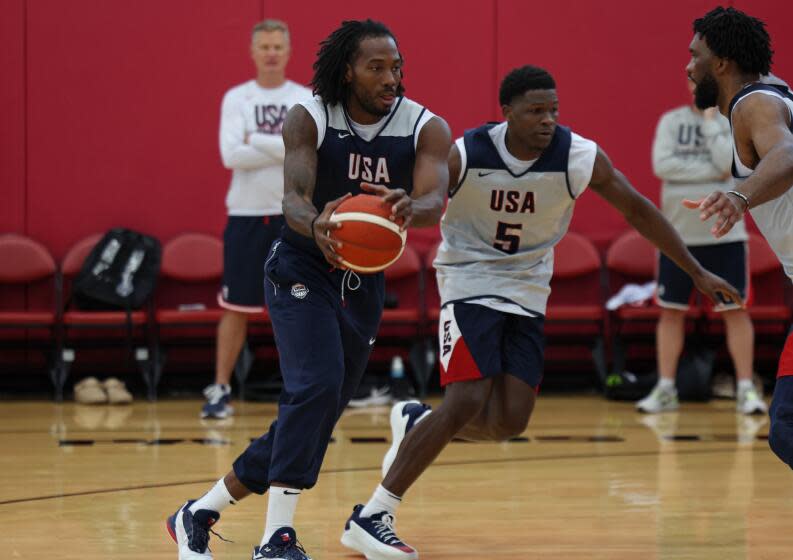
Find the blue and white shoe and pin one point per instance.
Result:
(191, 530)
(404, 415)
(218, 402)
(374, 537)
(283, 545)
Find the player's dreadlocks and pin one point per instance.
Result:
(338, 50)
(737, 36)
(520, 80)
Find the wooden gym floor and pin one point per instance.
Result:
(590, 480)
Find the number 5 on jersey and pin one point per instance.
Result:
(508, 237)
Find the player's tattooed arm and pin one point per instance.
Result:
(300, 175)
(431, 172)
(642, 214)
(424, 206)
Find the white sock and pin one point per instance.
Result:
(666, 384)
(217, 499)
(281, 505)
(745, 384)
(382, 500)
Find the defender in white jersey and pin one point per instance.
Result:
(512, 188)
(730, 55)
(251, 146)
(692, 154)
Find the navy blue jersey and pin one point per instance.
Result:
(345, 158)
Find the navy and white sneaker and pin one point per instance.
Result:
(218, 402)
(191, 531)
(374, 537)
(283, 545)
(404, 415)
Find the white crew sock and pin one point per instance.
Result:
(281, 505)
(382, 500)
(666, 384)
(745, 384)
(217, 499)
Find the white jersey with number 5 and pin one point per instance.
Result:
(505, 216)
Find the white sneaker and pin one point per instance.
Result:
(375, 537)
(191, 531)
(404, 415)
(659, 400)
(749, 402)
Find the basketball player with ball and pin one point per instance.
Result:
(358, 135)
(512, 189)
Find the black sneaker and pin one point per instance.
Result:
(190, 531)
(283, 545)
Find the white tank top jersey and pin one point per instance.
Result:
(775, 217)
(505, 216)
(257, 179)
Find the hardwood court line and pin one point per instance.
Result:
(377, 468)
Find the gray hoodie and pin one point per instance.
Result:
(693, 157)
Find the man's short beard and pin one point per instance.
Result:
(706, 94)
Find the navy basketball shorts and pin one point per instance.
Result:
(728, 260)
(325, 323)
(780, 435)
(246, 244)
(477, 341)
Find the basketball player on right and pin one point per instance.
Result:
(512, 189)
(730, 53)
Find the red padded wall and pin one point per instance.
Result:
(12, 116)
(123, 110)
(448, 66)
(109, 109)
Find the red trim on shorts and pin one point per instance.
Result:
(786, 359)
(238, 308)
(462, 366)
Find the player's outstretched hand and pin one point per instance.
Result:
(321, 228)
(728, 209)
(401, 203)
(718, 290)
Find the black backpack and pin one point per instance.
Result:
(120, 272)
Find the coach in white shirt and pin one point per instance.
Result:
(252, 147)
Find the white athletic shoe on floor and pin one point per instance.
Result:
(404, 415)
(375, 538)
(749, 402)
(190, 531)
(659, 400)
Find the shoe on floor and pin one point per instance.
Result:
(218, 399)
(190, 531)
(89, 391)
(749, 401)
(116, 391)
(374, 537)
(283, 545)
(404, 415)
(659, 400)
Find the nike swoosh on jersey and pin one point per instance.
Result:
(344, 134)
(486, 173)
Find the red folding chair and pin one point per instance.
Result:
(575, 316)
(633, 259)
(29, 293)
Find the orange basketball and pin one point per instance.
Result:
(370, 241)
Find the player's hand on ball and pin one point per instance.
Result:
(718, 290)
(728, 209)
(400, 201)
(322, 226)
